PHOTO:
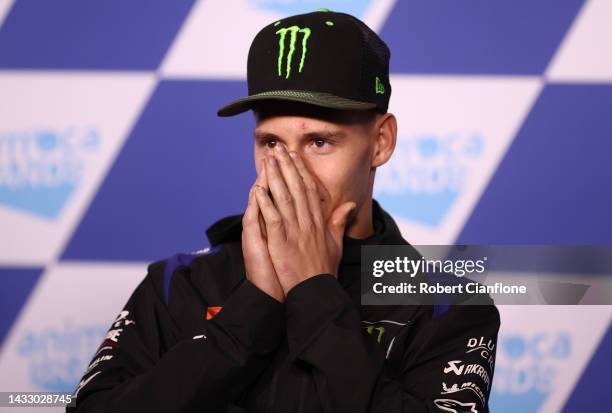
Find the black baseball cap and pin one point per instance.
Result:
(323, 58)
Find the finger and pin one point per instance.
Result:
(312, 186)
(272, 218)
(262, 180)
(250, 212)
(324, 197)
(295, 185)
(251, 227)
(262, 226)
(338, 220)
(282, 197)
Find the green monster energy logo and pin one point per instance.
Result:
(381, 330)
(293, 31)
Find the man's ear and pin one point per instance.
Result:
(385, 137)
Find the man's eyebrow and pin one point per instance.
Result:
(259, 135)
(324, 134)
(265, 135)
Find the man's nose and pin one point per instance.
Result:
(291, 147)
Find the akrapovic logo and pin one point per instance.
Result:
(287, 47)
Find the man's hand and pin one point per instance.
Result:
(258, 266)
(301, 241)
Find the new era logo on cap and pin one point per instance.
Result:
(323, 58)
(379, 87)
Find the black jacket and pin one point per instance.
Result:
(197, 336)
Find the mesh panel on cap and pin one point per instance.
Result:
(375, 62)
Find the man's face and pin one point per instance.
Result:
(336, 147)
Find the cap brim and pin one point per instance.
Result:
(326, 100)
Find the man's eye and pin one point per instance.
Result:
(319, 143)
(270, 143)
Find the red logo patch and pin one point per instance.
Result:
(212, 311)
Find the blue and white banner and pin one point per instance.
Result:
(112, 156)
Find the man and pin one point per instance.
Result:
(269, 318)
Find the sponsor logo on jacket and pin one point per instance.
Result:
(212, 311)
(459, 368)
(465, 386)
(455, 406)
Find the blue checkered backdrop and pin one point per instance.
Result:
(111, 157)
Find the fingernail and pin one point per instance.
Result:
(259, 189)
(280, 148)
(293, 154)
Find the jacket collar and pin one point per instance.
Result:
(386, 232)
